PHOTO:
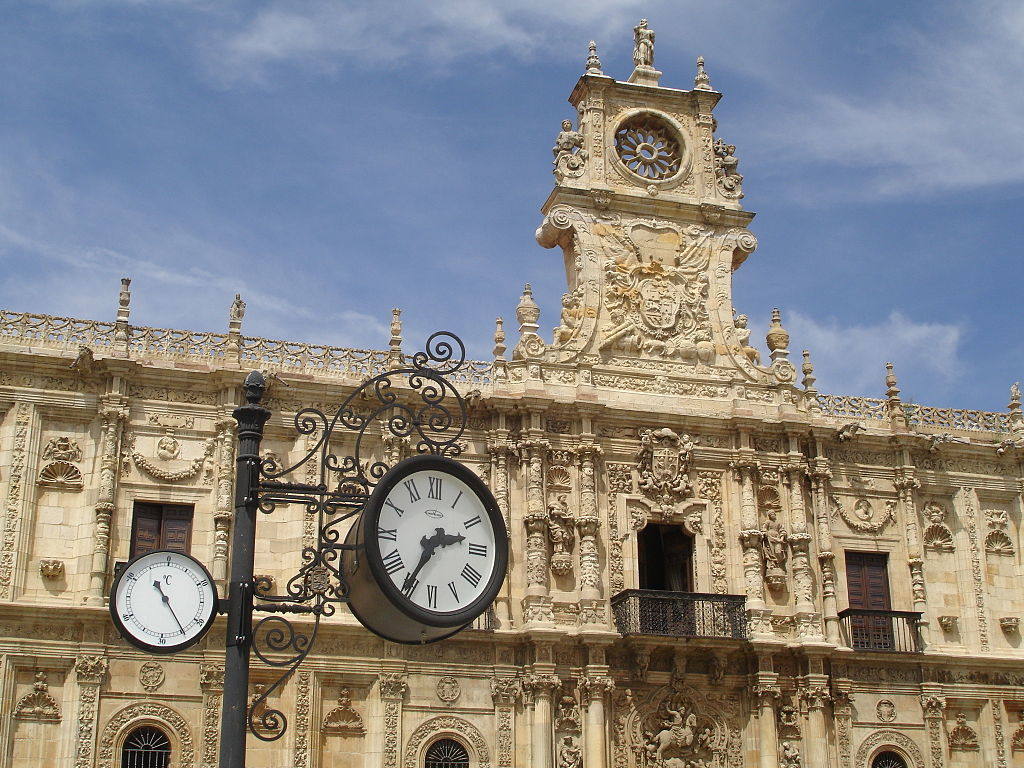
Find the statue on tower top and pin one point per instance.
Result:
(643, 45)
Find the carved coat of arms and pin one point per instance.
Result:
(663, 462)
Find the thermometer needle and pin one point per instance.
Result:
(167, 602)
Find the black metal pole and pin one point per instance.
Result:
(251, 418)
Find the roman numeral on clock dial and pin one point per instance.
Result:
(471, 574)
(478, 549)
(434, 489)
(393, 562)
(431, 595)
(410, 486)
(472, 521)
(387, 534)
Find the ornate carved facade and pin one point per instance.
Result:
(713, 564)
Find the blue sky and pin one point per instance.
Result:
(330, 160)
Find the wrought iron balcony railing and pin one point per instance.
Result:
(891, 631)
(679, 614)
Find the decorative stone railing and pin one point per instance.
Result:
(854, 408)
(141, 342)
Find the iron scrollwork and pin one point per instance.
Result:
(416, 403)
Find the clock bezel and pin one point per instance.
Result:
(371, 544)
(143, 645)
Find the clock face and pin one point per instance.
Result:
(436, 541)
(163, 601)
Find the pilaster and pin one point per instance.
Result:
(89, 673)
(392, 687)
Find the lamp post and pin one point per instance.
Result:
(251, 419)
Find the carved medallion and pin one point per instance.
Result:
(885, 711)
(151, 676)
(448, 689)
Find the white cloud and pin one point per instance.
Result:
(850, 359)
(944, 115)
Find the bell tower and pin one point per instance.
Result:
(646, 210)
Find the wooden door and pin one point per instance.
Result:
(867, 580)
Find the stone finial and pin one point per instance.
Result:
(893, 404)
(808, 383)
(777, 337)
(892, 391)
(1016, 416)
(702, 82)
(593, 62)
(499, 339)
(124, 300)
(394, 356)
(528, 313)
(123, 331)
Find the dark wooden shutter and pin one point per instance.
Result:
(868, 581)
(145, 528)
(177, 528)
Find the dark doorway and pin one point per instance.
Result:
(665, 555)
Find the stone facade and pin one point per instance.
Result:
(649, 407)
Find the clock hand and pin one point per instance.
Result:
(167, 602)
(429, 546)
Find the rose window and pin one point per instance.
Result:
(648, 148)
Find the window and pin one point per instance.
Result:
(161, 526)
(446, 753)
(665, 553)
(146, 747)
(888, 760)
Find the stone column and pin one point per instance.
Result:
(933, 704)
(589, 523)
(906, 483)
(303, 718)
(505, 691)
(537, 603)
(816, 697)
(750, 535)
(392, 687)
(89, 672)
(842, 711)
(211, 681)
(541, 687)
(501, 450)
(20, 483)
(799, 540)
(820, 473)
(596, 689)
(225, 497)
(767, 692)
(113, 415)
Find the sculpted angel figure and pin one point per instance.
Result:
(643, 45)
(569, 755)
(743, 339)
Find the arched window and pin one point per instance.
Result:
(146, 747)
(888, 760)
(446, 753)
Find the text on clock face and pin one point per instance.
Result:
(436, 541)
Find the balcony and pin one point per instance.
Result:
(887, 631)
(679, 614)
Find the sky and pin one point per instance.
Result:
(332, 159)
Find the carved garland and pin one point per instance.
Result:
(302, 710)
(173, 477)
(620, 480)
(150, 711)
(711, 489)
(446, 725)
(871, 523)
(887, 739)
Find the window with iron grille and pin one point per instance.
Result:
(446, 753)
(161, 526)
(888, 760)
(146, 747)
